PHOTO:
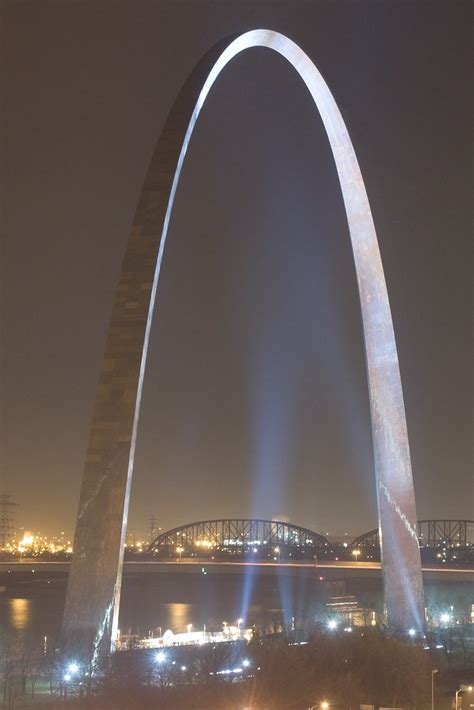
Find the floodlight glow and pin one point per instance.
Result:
(411, 632)
(445, 618)
(332, 624)
(246, 663)
(324, 705)
(73, 668)
(183, 668)
(161, 656)
(67, 677)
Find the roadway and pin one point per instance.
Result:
(326, 569)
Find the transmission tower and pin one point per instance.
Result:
(7, 515)
(152, 528)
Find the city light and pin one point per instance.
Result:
(36, 545)
(67, 677)
(73, 668)
(246, 663)
(324, 705)
(161, 657)
(445, 618)
(411, 632)
(332, 624)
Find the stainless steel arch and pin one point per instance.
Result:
(91, 612)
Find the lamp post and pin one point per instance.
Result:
(462, 689)
(356, 554)
(432, 687)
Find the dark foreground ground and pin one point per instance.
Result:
(364, 666)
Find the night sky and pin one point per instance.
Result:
(255, 399)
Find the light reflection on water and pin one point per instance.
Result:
(19, 611)
(179, 616)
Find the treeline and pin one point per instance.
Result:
(348, 669)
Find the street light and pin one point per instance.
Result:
(161, 657)
(462, 689)
(432, 687)
(356, 554)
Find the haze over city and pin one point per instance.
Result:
(255, 398)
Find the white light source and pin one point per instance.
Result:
(445, 618)
(67, 677)
(161, 656)
(246, 663)
(411, 632)
(183, 668)
(332, 625)
(73, 668)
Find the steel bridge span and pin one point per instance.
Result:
(237, 533)
(243, 534)
(433, 534)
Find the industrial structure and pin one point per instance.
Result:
(236, 534)
(7, 519)
(440, 541)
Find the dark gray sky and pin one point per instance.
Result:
(255, 398)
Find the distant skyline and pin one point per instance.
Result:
(255, 400)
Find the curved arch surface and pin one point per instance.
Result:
(91, 612)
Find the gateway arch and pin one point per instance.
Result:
(93, 595)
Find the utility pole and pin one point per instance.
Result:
(432, 687)
(152, 528)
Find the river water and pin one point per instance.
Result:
(155, 602)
